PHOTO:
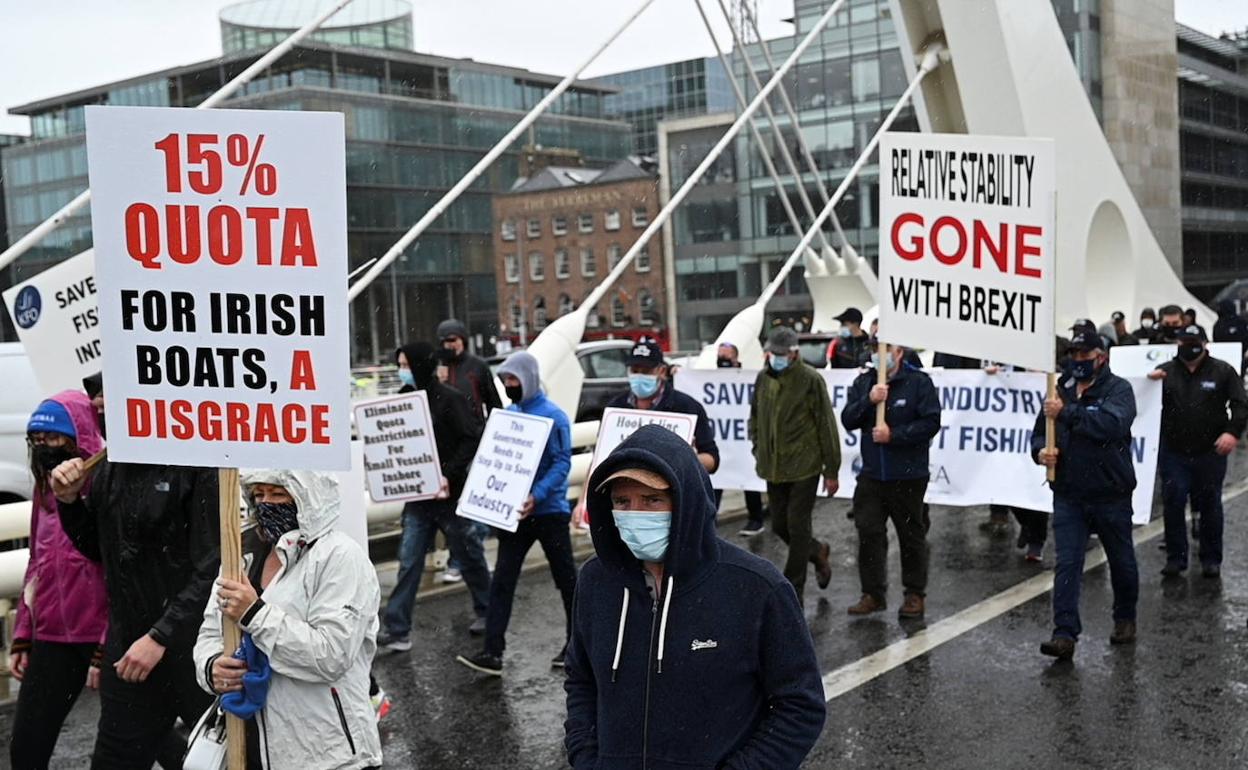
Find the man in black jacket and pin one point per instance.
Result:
(156, 530)
(893, 479)
(456, 432)
(1196, 438)
(467, 373)
(1231, 327)
(1094, 412)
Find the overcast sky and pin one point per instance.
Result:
(57, 46)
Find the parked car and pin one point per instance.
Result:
(814, 348)
(19, 397)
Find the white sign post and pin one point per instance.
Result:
(400, 454)
(504, 468)
(57, 320)
(967, 262)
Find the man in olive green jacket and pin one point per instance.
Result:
(793, 430)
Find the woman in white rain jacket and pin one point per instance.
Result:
(316, 620)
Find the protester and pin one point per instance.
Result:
(1147, 333)
(792, 428)
(1232, 327)
(62, 610)
(686, 651)
(1171, 321)
(1196, 437)
(155, 528)
(1189, 317)
(1122, 335)
(544, 517)
(456, 433)
(729, 357)
(308, 604)
(893, 479)
(1094, 410)
(852, 348)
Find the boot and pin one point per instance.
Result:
(1059, 647)
(823, 568)
(1124, 632)
(912, 608)
(867, 605)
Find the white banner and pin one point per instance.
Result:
(57, 320)
(221, 264)
(400, 453)
(982, 454)
(967, 262)
(504, 468)
(1139, 360)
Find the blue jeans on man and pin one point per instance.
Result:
(1073, 521)
(421, 521)
(1199, 478)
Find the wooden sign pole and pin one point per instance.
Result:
(231, 569)
(1050, 428)
(881, 373)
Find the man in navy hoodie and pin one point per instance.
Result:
(544, 517)
(686, 651)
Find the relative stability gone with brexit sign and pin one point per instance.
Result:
(967, 263)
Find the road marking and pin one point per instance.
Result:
(858, 673)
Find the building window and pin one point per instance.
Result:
(645, 307)
(517, 315)
(539, 313)
(617, 312)
(509, 229)
(593, 320)
(563, 265)
(589, 266)
(613, 256)
(511, 267)
(566, 305)
(611, 220)
(642, 261)
(586, 223)
(641, 217)
(559, 225)
(537, 267)
(534, 229)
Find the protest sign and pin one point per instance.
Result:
(967, 261)
(400, 453)
(55, 314)
(1139, 360)
(221, 263)
(504, 468)
(982, 454)
(618, 424)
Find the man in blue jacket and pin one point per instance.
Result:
(544, 517)
(893, 479)
(1094, 411)
(686, 651)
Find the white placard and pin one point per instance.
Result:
(400, 452)
(221, 264)
(56, 317)
(1139, 360)
(982, 454)
(618, 424)
(504, 468)
(967, 262)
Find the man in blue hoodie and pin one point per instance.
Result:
(686, 651)
(543, 519)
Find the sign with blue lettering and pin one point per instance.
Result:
(58, 322)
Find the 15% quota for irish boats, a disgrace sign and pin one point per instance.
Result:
(221, 264)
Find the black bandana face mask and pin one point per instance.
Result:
(45, 458)
(276, 519)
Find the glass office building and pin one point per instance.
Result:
(254, 24)
(666, 91)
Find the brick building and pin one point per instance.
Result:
(561, 231)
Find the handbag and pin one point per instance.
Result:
(206, 748)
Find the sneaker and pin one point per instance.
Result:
(381, 704)
(395, 642)
(823, 568)
(1173, 569)
(867, 605)
(1035, 554)
(1124, 632)
(1059, 647)
(478, 627)
(751, 529)
(557, 661)
(912, 608)
(483, 662)
(1211, 571)
(452, 575)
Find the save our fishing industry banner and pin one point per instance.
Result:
(982, 454)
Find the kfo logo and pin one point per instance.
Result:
(29, 307)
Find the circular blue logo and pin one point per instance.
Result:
(29, 307)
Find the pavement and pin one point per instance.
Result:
(966, 688)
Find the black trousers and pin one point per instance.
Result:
(792, 504)
(135, 718)
(754, 505)
(1034, 525)
(551, 530)
(54, 678)
(875, 504)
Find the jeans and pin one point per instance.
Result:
(421, 521)
(55, 676)
(551, 530)
(478, 532)
(875, 503)
(792, 504)
(1073, 521)
(1200, 478)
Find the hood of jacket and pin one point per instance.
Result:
(82, 414)
(315, 494)
(523, 366)
(420, 356)
(693, 548)
(1226, 309)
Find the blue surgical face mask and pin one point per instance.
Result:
(1082, 371)
(644, 532)
(643, 385)
(779, 363)
(845, 331)
(405, 377)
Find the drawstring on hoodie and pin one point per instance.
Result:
(619, 639)
(667, 603)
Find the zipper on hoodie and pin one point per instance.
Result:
(342, 717)
(645, 714)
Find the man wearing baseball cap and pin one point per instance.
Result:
(1125, 337)
(1094, 410)
(852, 349)
(686, 651)
(1197, 435)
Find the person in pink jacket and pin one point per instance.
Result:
(62, 613)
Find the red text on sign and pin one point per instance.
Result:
(206, 172)
(1009, 248)
(181, 232)
(232, 421)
